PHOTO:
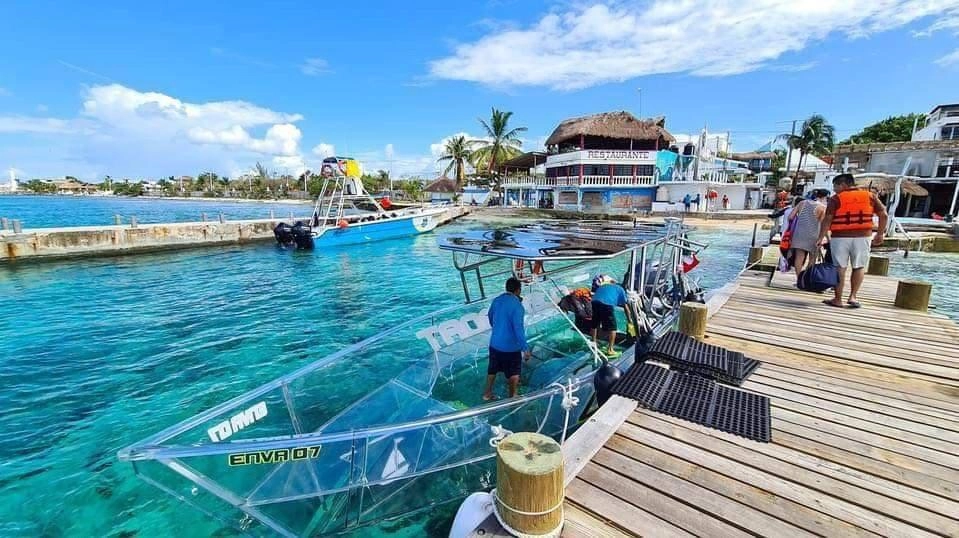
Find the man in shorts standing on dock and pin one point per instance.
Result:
(607, 295)
(848, 220)
(507, 343)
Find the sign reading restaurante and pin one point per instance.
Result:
(619, 155)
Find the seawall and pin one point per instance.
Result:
(54, 243)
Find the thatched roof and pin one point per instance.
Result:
(752, 155)
(620, 124)
(885, 185)
(443, 184)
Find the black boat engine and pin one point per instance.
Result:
(284, 234)
(603, 380)
(303, 235)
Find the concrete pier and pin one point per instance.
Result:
(51, 243)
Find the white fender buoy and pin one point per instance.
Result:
(474, 510)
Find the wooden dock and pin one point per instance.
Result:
(865, 421)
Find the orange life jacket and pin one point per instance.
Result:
(854, 213)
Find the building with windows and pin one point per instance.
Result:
(942, 123)
(614, 162)
(932, 157)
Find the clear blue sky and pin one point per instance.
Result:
(149, 90)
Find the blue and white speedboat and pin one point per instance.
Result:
(345, 214)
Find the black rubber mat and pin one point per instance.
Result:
(742, 413)
(687, 353)
(644, 383)
(691, 397)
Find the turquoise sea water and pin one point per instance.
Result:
(98, 353)
(52, 211)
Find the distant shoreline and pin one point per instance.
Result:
(289, 201)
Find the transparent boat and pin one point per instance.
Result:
(280, 460)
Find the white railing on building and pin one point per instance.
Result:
(576, 181)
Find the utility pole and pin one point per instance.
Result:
(789, 151)
(640, 90)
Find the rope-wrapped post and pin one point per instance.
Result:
(913, 295)
(692, 319)
(755, 255)
(529, 484)
(878, 265)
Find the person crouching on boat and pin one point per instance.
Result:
(507, 343)
(607, 295)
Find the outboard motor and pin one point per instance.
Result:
(606, 376)
(302, 235)
(284, 234)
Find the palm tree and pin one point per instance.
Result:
(816, 136)
(457, 151)
(503, 143)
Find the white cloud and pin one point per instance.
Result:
(949, 59)
(314, 67)
(122, 131)
(793, 68)
(43, 109)
(29, 124)
(5, 92)
(324, 150)
(590, 45)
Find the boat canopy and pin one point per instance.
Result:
(562, 240)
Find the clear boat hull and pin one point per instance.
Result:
(281, 460)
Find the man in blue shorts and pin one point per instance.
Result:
(507, 343)
(607, 295)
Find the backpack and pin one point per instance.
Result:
(818, 278)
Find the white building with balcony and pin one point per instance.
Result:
(942, 123)
(932, 156)
(615, 163)
(600, 163)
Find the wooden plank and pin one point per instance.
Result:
(845, 338)
(622, 513)
(654, 502)
(774, 476)
(920, 404)
(878, 337)
(942, 437)
(908, 383)
(919, 458)
(636, 461)
(884, 320)
(931, 372)
(583, 524)
(814, 466)
(719, 298)
(591, 436)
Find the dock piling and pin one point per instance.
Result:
(692, 319)
(4, 223)
(272, 216)
(222, 220)
(755, 255)
(913, 295)
(203, 217)
(530, 484)
(133, 221)
(878, 265)
(117, 220)
(17, 228)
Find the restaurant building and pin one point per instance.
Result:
(613, 162)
